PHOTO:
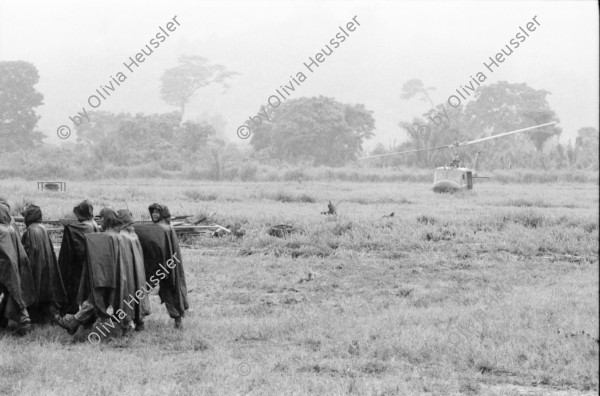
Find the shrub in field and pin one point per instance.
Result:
(287, 198)
(115, 172)
(440, 234)
(423, 219)
(196, 174)
(90, 172)
(248, 172)
(584, 177)
(342, 227)
(369, 177)
(305, 199)
(539, 176)
(528, 219)
(170, 165)
(49, 170)
(590, 226)
(152, 170)
(294, 175)
(267, 174)
(230, 173)
(282, 197)
(323, 173)
(311, 250)
(8, 173)
(195, 195)
(520, 202)
(134, 192)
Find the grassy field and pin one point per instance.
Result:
(491, 292)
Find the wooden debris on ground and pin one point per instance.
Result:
(236, 230)
(183, 225)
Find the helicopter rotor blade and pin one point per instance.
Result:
(501, 134)
(458, 144)
(405, 152)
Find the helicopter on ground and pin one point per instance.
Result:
(455, 176)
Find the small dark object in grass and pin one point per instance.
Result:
(330, 209)
(281, 230)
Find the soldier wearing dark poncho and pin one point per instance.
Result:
(161, 248)
(113, 272)
(16, 282)
(13, 224)
(133, 258)
(49, 289)
(72, 252)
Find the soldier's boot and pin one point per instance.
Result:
(178, 323)
(55, 319)
(140, 326)
(24, 324)
(51, 313)
(69, 323)
(3, 320)
(128, 327)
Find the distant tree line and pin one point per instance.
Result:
(317, 131)
(18, 100)
(123, 139)
(495, 108)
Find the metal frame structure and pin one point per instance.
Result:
(62, 186)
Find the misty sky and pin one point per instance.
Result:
(78, 46)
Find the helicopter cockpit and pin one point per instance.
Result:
(451, 178)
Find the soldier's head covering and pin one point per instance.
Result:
(166, 214)
(125, 216)
(4, 215)
(110, 220)
(32, 214)
(84, 210)
(4, 202)
(161, 210)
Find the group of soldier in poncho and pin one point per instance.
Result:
(102, 272)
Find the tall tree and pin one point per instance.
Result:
(123, 139)
(503, 107)
(320, 130)
(193, 136)
(413, 87)
(18, 98)
(101, 139)
(420, 133)
(180, 83)
(426, 134)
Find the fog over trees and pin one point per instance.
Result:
(308, 131)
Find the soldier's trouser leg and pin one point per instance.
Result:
(172, 310)
(35, 314)
(9, 309)
(44, 312)
(49, 310)
(3, 320)
(167, 294)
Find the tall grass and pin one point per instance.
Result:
(489, 292)
(13, 166)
